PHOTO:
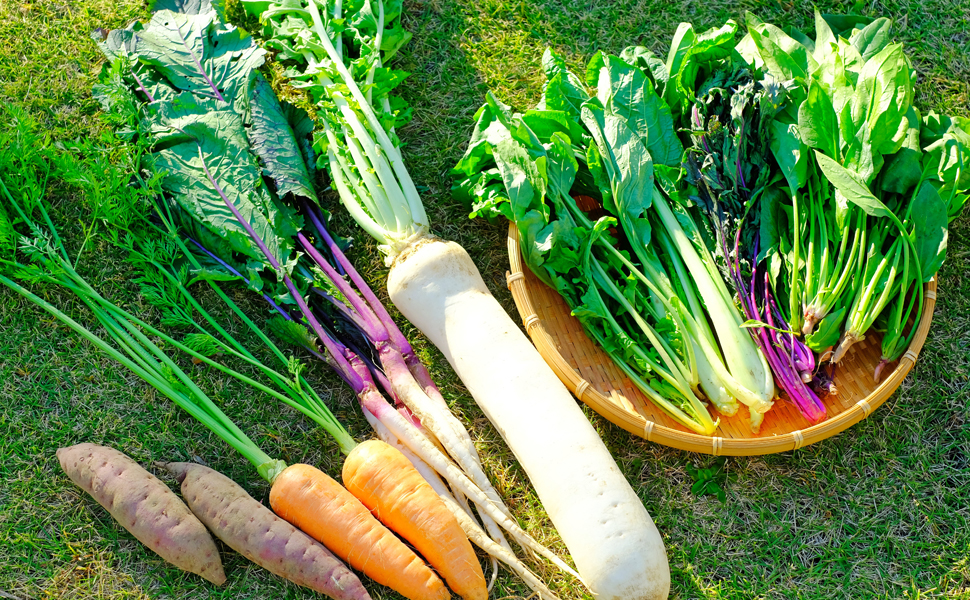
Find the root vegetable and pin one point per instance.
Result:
(254, 531)
(613, 540)
(145, 506)
(321, 507)
(386, 482)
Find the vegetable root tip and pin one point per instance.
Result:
(877, 372)
(848, 340)
(178, 469)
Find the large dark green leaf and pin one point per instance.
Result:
(521, 177)
(201, 144)
(564, 91)
(795, 51)
(946, 161)
(545, 123)
(871, 39)
(690, 53)
(274, 143)
(492, 122)
(649, 63)
(828, 331)
(883, 96)
(530, 224)
(198, 54)
(560, 165)
(779, 63)
(627, 163)
(903, 169)
(790, 153)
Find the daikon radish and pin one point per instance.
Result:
(606, 528)
(616, 547)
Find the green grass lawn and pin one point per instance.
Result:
(880, 511)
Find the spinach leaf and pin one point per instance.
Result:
(828, 331)
(817, 121)
(871, 39)
(525, 186)
(628, 164)
(625, 91)
(564, 91)
(929, 213)
(852, 187)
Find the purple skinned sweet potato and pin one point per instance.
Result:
(254, 531)
(145, 506)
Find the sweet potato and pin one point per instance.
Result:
(252, 530)
(144, 506)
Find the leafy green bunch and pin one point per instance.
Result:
(591, 179)
(858, 157)
(336, 51)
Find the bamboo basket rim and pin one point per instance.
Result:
(684, 440)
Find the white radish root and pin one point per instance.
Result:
(606, 528)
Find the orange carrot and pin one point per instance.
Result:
(310, 499)
(386, 482)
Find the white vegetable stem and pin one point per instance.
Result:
(750, 379)
(501, 550)
(605, 526)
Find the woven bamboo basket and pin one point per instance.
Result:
(590, 374)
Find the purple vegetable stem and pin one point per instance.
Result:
(226, 266)
(396, 338)
(340, 362)
(367, 320)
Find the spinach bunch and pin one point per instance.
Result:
(828, 193)
(872, 184)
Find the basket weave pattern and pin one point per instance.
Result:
(590, 374)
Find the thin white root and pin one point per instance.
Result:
(494, 531)
(463, 514)
(420, 446)
(439, 420)
(463, 502)
(477, 535)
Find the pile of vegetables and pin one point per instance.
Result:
(797, 172)
(372, 548)
(336, 52)
(234, 165)
(640, 285)
(722, 223)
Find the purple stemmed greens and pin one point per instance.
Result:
(730, 169)
(828, 195)
(237, 168)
